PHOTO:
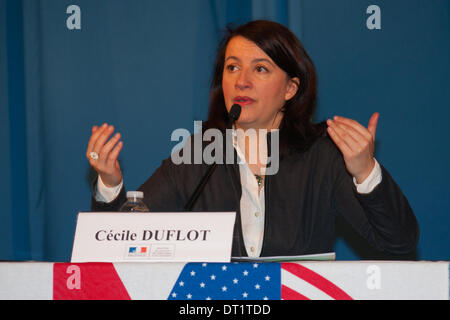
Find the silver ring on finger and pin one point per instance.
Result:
(93, 155)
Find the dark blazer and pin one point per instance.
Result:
(302, 202)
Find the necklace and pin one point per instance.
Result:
(259, 179)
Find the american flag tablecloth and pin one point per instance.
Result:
(368, 280)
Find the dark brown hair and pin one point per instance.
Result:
(297, 130)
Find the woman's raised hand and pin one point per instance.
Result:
(356, 143)
(102, 154)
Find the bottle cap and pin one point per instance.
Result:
(135, 194)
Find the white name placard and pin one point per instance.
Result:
(151, 236)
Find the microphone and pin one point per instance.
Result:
(233, 115)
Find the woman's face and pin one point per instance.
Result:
(252, 80)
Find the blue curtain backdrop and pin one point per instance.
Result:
(145, 67)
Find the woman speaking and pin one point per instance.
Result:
(324, 170)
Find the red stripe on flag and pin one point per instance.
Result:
(289, 294)
(87, 281)
(316, 280)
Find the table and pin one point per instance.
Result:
(342, 280)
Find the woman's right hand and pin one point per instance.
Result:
(106, 165)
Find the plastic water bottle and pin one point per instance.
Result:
(134, 202)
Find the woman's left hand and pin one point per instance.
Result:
(356, 143)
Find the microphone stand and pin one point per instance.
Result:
(234, 114)
(232, 117)
(200, 187)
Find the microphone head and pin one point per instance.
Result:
(235, 112)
